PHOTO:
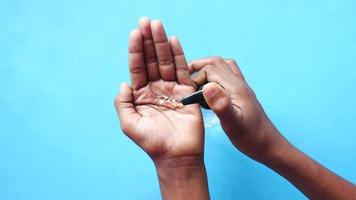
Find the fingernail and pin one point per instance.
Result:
(211, 91)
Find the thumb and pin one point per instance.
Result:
(219, 101)
(126, 111)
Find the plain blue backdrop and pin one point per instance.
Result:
(62, 61)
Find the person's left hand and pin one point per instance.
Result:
(158, 67)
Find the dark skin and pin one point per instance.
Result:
(250, 130)
(174, 137)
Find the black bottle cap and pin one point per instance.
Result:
(196, 97)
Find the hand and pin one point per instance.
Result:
(250, 130)
(158, 67)
(172, 136)
(241, 115)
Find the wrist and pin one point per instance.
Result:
(277, 150)
(182, 167)
(182, 177)
(262, 145)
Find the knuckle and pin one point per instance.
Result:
(218, 59)
(137, 69)
(231, 61)
(165, 61)
(151, 58)
(209, 67)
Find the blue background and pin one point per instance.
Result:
(61, 64)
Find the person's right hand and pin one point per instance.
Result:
(249, 129)
(240, 114)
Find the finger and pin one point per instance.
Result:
(198, 64)
(198, 69)
(218, 100)
(181, 66)
(126, 111)
(207, 74)
(163, 51)
(149, 49)
(234, 67)
(200, 78)
(136, 60)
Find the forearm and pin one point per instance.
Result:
(311, 178)
(183, 178)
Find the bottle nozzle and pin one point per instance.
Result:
(196, 97)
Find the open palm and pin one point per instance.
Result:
(158, 68)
